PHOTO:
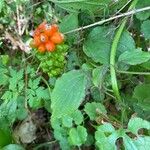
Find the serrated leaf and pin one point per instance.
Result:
(137, 123)
(77, 136)
(98, 44)
(141, 4)
(42, 93)
(68, 93)
(145, 28)
(134, 57)
(92, 108)
(77, 5)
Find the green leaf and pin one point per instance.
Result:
(13, 147)
(142, 94)
(68, 93)
(98, 44)
(134, 57)
(7, 113)
(5, 137)
(137, 123)
(77, 136)
(142, 143)
(98, 75)
(67, 121)
(70, 22)
(145, 29)
(106, 127)
(77, 117)
(143, 15)
(2, 3)
(128, 143)
(94, 109)
(76, 5)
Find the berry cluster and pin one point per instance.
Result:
(46, 37)
(53, 63)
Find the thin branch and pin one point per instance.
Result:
(133, 72)
(110, 19)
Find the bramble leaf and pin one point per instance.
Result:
(68, 93)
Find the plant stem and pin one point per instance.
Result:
(44, 144)
(113, 55)
(112, 64)
(110, 19)
(133, 72)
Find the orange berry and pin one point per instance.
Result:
(42, 25)
(57, 38)
(50, 46)
(50, 29)
(36, 32)
(37, 41)
(41, 48)
(43, 38)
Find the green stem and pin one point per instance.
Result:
(44, 144)
(133, 72)
(113, 55)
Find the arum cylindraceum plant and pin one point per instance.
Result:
(75, 74)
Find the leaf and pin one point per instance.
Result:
(7, 113)
(92, 108)
(68, 93)
(5, 137)
(98, 44)
(77, 136)
(77, 117)
(141, 4)
(106, 127)
(128, 143)
(142, 143)
(13, 147)
(134, 57)
(145, 29)
(137, 123)
(98, 75)
(69, 22)
(142, 94)
(67, 121)
(2, 3)
(76, 5)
